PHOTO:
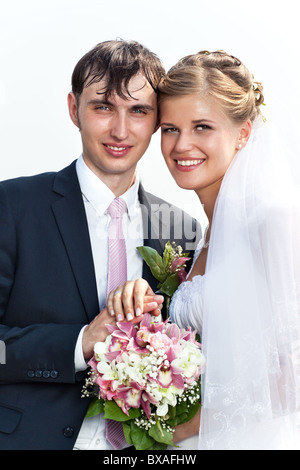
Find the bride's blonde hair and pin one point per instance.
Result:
(217, 75)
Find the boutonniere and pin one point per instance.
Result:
(168, 269)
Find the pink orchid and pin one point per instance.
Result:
(159, 341)
(142, 336)
(146, 321)
(105, 386)
(177, 263)
(165, 377)
(113, 355)
(128, 328)
(173, 331)
(130, 396)
(182, 275)
(146, 406)
(93, 363)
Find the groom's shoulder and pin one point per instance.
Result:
(158, 203)
(36, 184)
(175, 223)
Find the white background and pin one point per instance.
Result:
(42, 40)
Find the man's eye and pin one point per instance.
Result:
(139, 111)
(102, 108)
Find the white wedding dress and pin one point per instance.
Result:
(186, 310)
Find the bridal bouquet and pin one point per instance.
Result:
(148, 377)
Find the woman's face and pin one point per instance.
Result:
(198, 141)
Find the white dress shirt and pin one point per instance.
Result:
(97, 197)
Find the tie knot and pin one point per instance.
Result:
(117, 208)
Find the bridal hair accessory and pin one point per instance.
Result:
(257, 88)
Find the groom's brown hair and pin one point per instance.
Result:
(117, 61)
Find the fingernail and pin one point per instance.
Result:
(129, 316)
(138, 312)
(112, 313)
(119, 317)
(159, 298)
(152, 305)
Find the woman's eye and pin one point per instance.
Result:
(169, 130)
(202, 127)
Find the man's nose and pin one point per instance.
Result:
(119, 128)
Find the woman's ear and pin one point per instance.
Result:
(244, 134)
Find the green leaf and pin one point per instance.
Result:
(160, 434)
(140, 437)
(114, 412)
(96, 407)
(184, 414)
(168, 251)
(126, 430)
(154, 261)
(172, 412)
(158, 446)
(170, 285)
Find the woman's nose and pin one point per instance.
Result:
(184, 143)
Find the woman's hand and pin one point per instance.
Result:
(189, 429)
(133, 299)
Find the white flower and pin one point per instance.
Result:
(109, 373)
(189, 358)
(162, 409)
(100, 349)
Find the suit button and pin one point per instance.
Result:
(38, 373)
(30, 373)
(54, 374)
(46, 374)
(68, 431)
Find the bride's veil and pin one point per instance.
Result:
(251, 325)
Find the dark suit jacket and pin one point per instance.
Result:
(47, 293)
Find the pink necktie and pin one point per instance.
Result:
(117, 275)
(117, 262)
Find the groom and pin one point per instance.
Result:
(53, 250)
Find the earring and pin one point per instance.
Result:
(240, 146)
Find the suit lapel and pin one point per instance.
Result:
(151, 234)
(155, 224)
(71, 220)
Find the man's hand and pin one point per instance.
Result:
(128, 302)
(96, 331)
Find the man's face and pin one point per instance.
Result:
(115, 132)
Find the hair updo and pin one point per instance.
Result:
(220, 76)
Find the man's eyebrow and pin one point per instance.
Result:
(99, 102)
(146, 107)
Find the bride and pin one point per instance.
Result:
(242, 293)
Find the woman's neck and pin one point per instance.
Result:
(208, 197)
